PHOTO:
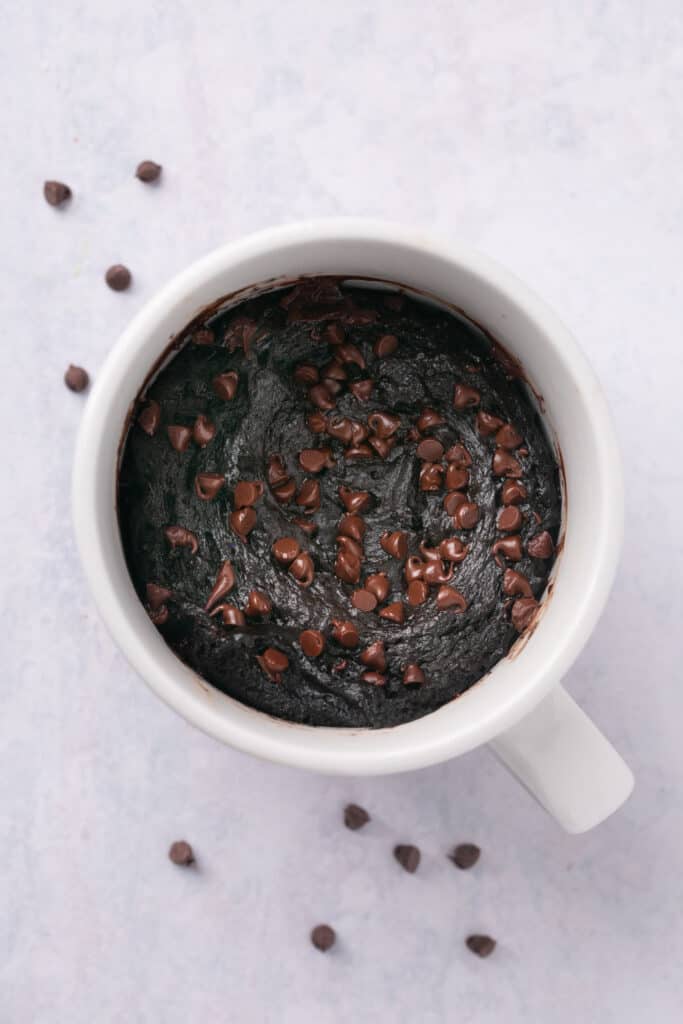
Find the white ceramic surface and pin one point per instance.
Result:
(547, 135)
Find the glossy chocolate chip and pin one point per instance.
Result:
(247, 492)
(515, 584)
(349, 353)
(508, 437)
(354, 501)
(541, 545)
(276, 472)
(457, 479)
(435, 572)
(487, 424)
(352, 526)
(430, 450)
(323, 937)
(482, 945)
(150, 417)
(203, 431)
(240, 334)
(509, 519)
(350, 546)
(159, 615)
(362, 389)
(359, 432)
(465, 856)
(302, 569)
(408, 857)
(312, 642)
(258, 604)
(394, 612)
(513, 492)
(322, 397)
(225, 385)
(375, 656)
(413, 675)
(382, 445)
(309, 527)
(118, 277)
(347, 567)
(334, 334)
(505, 464)
(345, 633)
(417, 593)
(179, 537)
(56, 192)
(450, 599)
(225, 581)
(431, 476)
(465, 397)
(374, 678)
(364, 600)
(358, 451)
(76, 378)
(309, 495)
(284, 493)
(341, 429)
(413, 569)
(285, 550)
(181, 853)
(157, 595)
(395, 543)
(355, 817)
(452, 501)
(333, 371)
(453, 550)
(509, 547)
(231, 615)
(467, 515)
(304, 373)
(148, 171)
(429, 419)
(457, 455)
(384, 424)
(207, 485)
(180, 437)
(273, 663)
(385, 346)
(314, 460)
(243, 521)
(316, 423)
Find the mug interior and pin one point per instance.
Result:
(576, 418)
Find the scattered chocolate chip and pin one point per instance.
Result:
(159, 615)
(179, 537)
(258, 604)
(523, 611)
(509, 519)
(465, 397)
(393, 613)
(323, 937)
(450, 599)
(349, 353)
(247, 492)
(180, 437)
(457, 479)
(358, 451)
(487, 424)
(417, 593)
(341, 429)
(452, 501)
(374, 678)
(316, 423)
(285, 550)
(482, 945)
(321, 397)
(508, 437)
(334, 334)
(505, 464)
(510, 547)
(513, 492)
(453, 550)
(374, 656)
(413, 569)
(225, 385)
(385, 346)
(276, 473)
(378, 584)
(340, 665)
(384, 424)
(333, 386)
(408, 857)
(306, 374)
(350, 546)
(243, 521)
(302, 569)
(541, 545)
(309, 495)
(345, 633)
(465, 855)
(306, 525)
(355, 817)
(362, 389)
(457, 455)
(333, 371)
(359, 432)
(413, 675)
(435, 572)
(314, 460)
(352, 526)
(284, 492)
(240, 334)
(430, 450)
(273, 663)
(118, 277)
(429, 554)
(516, 584)
(76, 378)
(354, 501)
(231, 615)
(181, 853)
(347, 567)
(148, 171)
(467, 515)
(56, 192)
(157, 596)
(203, 337)
(150, 417)
(207, 485)
(312, 642)
(395, 543)
(203, 431)
(364, 600)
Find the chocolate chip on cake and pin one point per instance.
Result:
(312, 642)
(231, 615)
(354, 501)
(509, 547)
(487, 424)
(225, 581)
(247, 492)
(225, 385)
(76, 378)
(482, 945)
(180, 537)
(450, 599)
(465, 397)
(385, 346)
(258, 604)
(541, 545)
(150, 418)
(408, 857)
(374, 656)
(56, 192)
(181, 853)
(180, 437)
(378, 584)
(273, 663)
(203, 431)
(323, 937)
(505, 464)
(513, 492)
(413, 675)
(355, 817)
(395, 543)
(345, 633)
(118, 277)
(523, 612)
(243, 521)
(509, 519)
(148, 171)
(364, 600)
(516, 584)
(207, 485)
(394, 612)
(465, 855)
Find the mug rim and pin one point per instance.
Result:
(477, 715)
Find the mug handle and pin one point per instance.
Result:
(565, 762)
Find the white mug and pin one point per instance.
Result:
(519, 708)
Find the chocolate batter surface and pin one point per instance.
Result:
(263, 405)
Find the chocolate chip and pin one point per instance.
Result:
(159, 615)
(232, 616)
(384, 424)
(374, 678)
(355, 817)
(203, 431)
(393, 613)
(345, 633)
(385, 346)
(76, 378)
(207, 485)
(350, 546)
(487, 424)
(417, 593)
(312, 642)
(428, 419)
(150, 417)
(510, 547)
(453, 550)
(347, 567)
(482, 945)
(395, 543)
(457, 479)
(56, 192)
(276, 473)
(243, 521)
(284, 492)
(340, 428)
(354, 501)
(148, 171)
(333, 371)
(430, 450)
(333, 334)
(323, 937)
(436, 572)
(364, 600)
(413, 569)
(378, 584)
(309, 495)
(273, 663)
(362, 389)
(240, 334)
(285, 550)
(179, 537)
(352, 526)
(306, 525)
(523, 611)
(203, 337)
(225, 385)
(467, 515)
(374, 656)
(247, 492)
(340, 666)
(358, 451)
(118, 277)
(516, 584)
(452, 501)
(450, 599)
(509, 519)
(181, 853)
(513, 492)
(465, 397)
(314, 460)
(408, 857)
(316, 423)
(258, 604)
(302, 569)
(157, 596)
(321, 397)
(359, 432)
(465, 855)
(457, 455)
(505, 464)
(348, 353)
(413, 675)
(180, 437)
(541, 545)
(508, 437)
(306, 374)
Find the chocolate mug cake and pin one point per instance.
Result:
(339, 505)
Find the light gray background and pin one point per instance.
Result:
(550, 135)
